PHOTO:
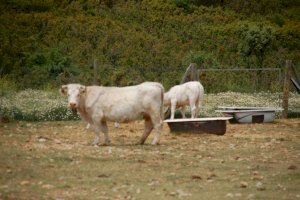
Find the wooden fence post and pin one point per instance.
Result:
(96, 69)
(190, 74)
(286, 88)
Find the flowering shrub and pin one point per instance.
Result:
(37, 105)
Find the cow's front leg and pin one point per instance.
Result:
(117, 125)
(87, 127)
(97, 137)
(104, 129)
(98, 126)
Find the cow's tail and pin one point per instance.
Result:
(162, 91)
(162, 104)
(201, 96)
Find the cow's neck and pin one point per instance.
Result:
(84, 111)
(82, 108)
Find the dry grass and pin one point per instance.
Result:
(53, 160)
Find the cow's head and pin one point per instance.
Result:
(75, 92)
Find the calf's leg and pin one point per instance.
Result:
(182, 110)
(173, 108)
(193, 108)
(198, 105)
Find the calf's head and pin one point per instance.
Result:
(75, 93)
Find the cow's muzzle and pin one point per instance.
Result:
(73, 105)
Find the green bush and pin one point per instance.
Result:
(257, 40)
(185, 4)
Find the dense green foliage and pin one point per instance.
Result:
(47, 43)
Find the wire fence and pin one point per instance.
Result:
(242, 80)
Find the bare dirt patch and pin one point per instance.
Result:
(54, 160)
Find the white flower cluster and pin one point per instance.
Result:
(236, 99)
(37, 105)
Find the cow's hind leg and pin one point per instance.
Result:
(157, 123)
(102, 126)
(147, 130)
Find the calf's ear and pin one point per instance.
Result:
(63, 90)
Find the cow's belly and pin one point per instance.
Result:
(123, 113)
(182, 101)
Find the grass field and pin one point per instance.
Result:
(54, 160)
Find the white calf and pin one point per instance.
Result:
(189, 93)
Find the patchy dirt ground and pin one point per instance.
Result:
(54, 160)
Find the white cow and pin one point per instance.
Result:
(97, 104)
(189, 93)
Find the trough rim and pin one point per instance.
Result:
(244, 109)
(206, 119)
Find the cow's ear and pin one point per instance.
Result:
(63, 90)
(82, 89)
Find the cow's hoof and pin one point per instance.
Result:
(140, 143)
(95, 143)
(106, 144)
(155, 143)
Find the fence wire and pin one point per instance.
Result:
(242, 80)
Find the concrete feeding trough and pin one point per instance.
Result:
(249, 114)
(214, 125)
